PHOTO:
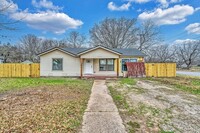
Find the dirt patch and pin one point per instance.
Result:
(159, 108)
(45, 109)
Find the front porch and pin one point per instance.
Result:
(99, 67)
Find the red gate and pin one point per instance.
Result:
(135, 69)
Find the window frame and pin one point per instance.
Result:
(53, 67)
(107, 65)
(129, 60)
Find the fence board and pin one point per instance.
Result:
(160, 69)
(35, 70)
(19, 70)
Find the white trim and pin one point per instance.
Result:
(54, 50)
(92, 66)
(98, 48)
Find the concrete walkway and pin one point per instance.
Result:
(101, 115)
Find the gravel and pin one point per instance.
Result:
(184, 107)
(189, 73)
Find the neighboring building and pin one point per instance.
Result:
(1, 59)
(83, 62)
(27, 62)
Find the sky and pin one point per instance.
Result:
(178, 20)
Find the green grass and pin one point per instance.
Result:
(60, 113)
(128, 81)
(187, 84)
(162, 131)
(118, 98)
(133, 126)
(7, 84)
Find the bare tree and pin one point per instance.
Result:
(6, 23)
(47, 44)
(161, 53)
(75, 40)
(188, 52)
(148, 35)
(10, 53)
(114, 33)
(30, 47)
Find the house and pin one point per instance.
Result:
(87, 62)
(27, 62)
(1, 59)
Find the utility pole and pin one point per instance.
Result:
(140, 45)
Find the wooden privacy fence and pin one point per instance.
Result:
(135, 69)
(160, 69)
(19, 70)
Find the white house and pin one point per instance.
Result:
(87, 62)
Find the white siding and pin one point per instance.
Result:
(1, 61)
(102, 73)
(99, 53)
(71, 65)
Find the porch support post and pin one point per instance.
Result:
(117, 67)
(81, 67)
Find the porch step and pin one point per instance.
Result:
(100, 77)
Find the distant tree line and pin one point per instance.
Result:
(30, 46)
(112, 33)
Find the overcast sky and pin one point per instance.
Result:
(178, 19)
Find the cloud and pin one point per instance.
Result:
(47, 21)
(197, 9)
(45, 4)
(179, 42)
(113, 7)
(193, 28)
(139, 1)
(9, 6)
(166, 3)
(169, 16)
(163, 3)
(50, 21)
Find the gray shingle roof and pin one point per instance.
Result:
(129, 52)
(75, 50)
(125, 52)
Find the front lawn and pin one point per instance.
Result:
(7, 84)
(42, 104)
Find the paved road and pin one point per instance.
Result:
(189, 73)
(101, 115)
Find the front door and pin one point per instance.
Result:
(88, 66)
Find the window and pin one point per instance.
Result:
(57, 64)
(106, 65)
(124, 67)
(110, 65)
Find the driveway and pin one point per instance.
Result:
(188, 73)
(101, 115)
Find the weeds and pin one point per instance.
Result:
(56, 105)
(128, 81)
(187, 84)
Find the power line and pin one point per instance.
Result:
(181, 34)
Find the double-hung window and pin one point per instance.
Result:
(106, 65)
(57, 64)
